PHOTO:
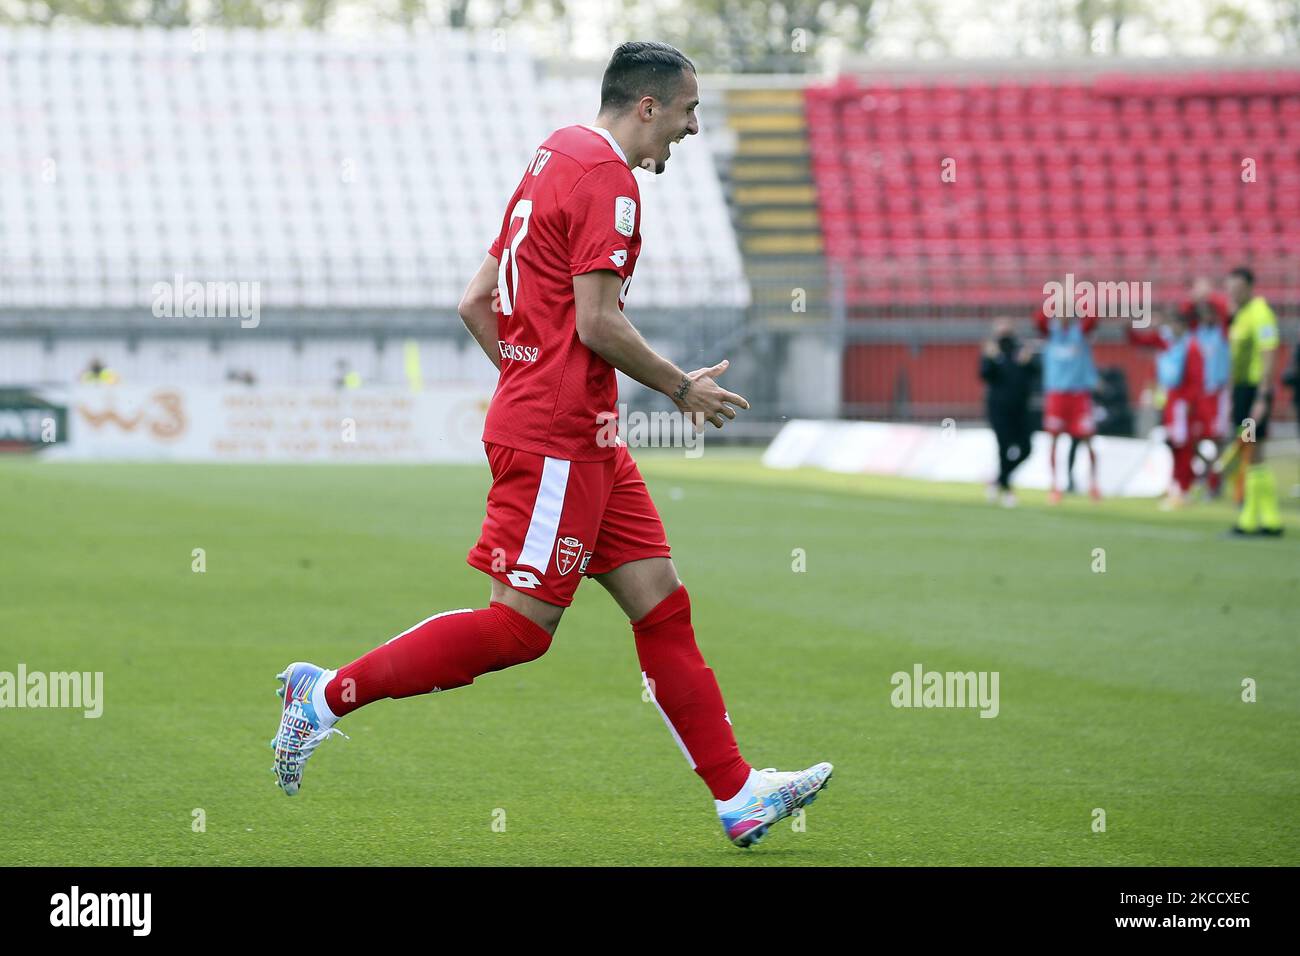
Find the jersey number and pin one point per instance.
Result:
(509, 291)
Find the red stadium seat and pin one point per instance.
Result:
(1133, 170)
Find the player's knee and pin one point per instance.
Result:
(544, 615)
(522, 653)
(535, 641)
(672, 610)
(520, 639)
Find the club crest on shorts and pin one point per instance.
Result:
(568, 551)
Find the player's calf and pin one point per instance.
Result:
(444, 651)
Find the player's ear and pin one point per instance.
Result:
(646, 108)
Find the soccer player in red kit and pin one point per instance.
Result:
(1209, 317)
(546, 306)
(1180, 370)
(1069, 376)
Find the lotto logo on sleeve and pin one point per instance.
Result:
(625, 215)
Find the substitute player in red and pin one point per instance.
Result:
(1207, 315)
(1180, 370)
(547, 308)
(1069, 376)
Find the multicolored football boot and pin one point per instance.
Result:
(771, 796)
(301, 728)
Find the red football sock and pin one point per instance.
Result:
(1183, 473)
(686, 693)
(448, 650)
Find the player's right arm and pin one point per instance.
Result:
(989, 361)
(1265, 335)
(1147, 338)
(1040, 321)
(603, 328)
(478, 309)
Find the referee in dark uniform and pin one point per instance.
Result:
(1009, 369)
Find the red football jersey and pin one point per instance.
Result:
(576, 210)
(1218, 303)
(1085, 316)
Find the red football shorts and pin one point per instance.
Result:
(551, 521)
(1068, 412)
(1214, 413)
(1182, 427)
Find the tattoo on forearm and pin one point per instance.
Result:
(682, 389)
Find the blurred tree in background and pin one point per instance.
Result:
(753, 36)
(788, 36)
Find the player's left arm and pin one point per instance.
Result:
(1266, 343)
(478, 309)
(1040, 321)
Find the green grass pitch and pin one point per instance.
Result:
(1119, 690)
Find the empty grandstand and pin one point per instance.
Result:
(956, 198)
(357, 184)
(844, 241)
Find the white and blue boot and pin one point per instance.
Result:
(768, 797)
(305, 721)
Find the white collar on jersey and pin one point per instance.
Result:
(613, 143)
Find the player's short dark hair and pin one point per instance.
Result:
(1244, 272)
(642, 68)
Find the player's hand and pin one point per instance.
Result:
(706, 401)
(1258, 410)
(991, 349)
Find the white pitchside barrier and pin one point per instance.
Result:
(1128, 467)
(186, 423)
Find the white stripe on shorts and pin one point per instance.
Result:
(545, 523)
(1178, 427)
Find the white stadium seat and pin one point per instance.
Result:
(382, 167)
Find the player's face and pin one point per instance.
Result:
(1238, 292)
(675, 120)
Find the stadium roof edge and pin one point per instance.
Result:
(1067, 67)
(763, 81)
(1077, 65)
(152, 38)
